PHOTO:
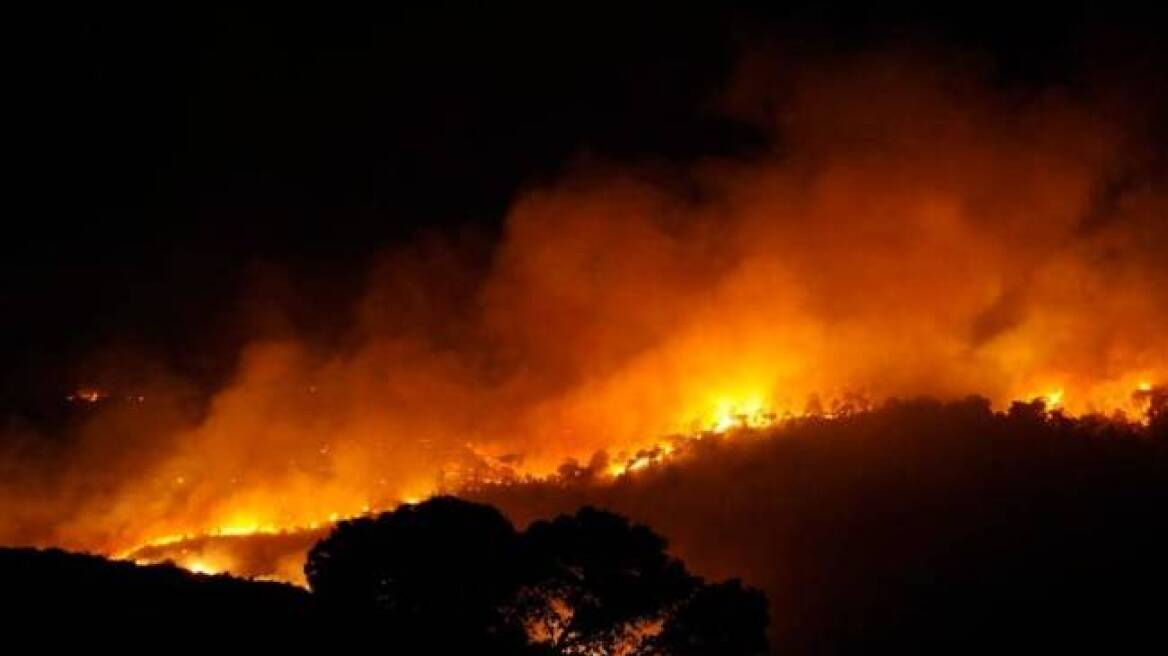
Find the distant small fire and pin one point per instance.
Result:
(86, 395)
(94, 395)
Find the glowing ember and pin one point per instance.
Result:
(86, 395)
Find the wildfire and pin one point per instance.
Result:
(725, 419)
(751, 413)
(215, 552)
(1053, 399)
(87, 395)
(619, 321)
(199, 566)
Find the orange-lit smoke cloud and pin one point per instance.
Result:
(911, 231)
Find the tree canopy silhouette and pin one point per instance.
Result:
(449, 575)
(437, 573)
(717, 619)
(598, 582)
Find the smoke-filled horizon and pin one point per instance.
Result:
(912, 229)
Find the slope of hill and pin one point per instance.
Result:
(56, 586)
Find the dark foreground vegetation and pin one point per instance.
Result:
(456, 577)
(51, 595)
(446, 576)
(915, 527)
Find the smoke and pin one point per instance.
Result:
(914, 229)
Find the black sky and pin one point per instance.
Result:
(165, 160)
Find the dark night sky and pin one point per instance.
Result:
(162, 158)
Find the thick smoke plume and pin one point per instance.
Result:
(913, 229)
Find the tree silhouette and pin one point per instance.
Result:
(722, 618)
(435, 574)
(600, 582)
(450, 576)
(1157, 400)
